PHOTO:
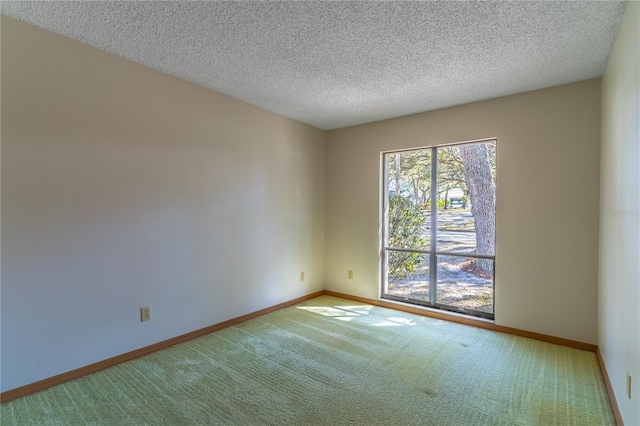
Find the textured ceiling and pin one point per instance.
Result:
(335, 64)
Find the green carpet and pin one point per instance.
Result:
(330, 361)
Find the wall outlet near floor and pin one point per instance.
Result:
(629, 385)
(145, 314)
(301, 276)
(350, 274)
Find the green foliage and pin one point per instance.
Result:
(406, 222)
(441, 204)
(410, 172)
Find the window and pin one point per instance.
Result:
(438, 245)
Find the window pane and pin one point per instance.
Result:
(466, 198)
(408, 275)
(409, 186)
(463, 197)
(465, 283)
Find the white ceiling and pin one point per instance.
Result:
(336, 64)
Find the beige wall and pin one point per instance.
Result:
(123, 187)
(547, 201)
(619, 296)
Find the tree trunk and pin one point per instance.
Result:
(477, 171)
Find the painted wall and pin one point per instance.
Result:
(547, 201)
(123, 187)
(619, 272)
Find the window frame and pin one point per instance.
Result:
(432, 251)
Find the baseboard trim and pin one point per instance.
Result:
(128, 356)
(468, 321)
(612, 396)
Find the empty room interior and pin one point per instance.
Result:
(206, 209)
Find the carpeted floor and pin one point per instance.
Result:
(330, 361)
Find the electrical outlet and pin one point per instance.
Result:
(301, 276)
(145, 314)
(629, 385)
(350, 274)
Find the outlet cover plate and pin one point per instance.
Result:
(145, 314)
